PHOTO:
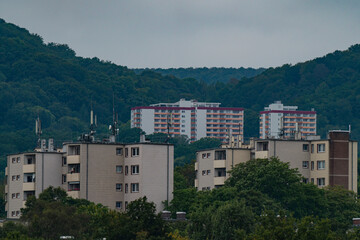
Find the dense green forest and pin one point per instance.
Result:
(49, 80)
(207, 75)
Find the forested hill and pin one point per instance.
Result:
(49, 80)
(208, 75)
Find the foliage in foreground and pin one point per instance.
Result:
(265, 199)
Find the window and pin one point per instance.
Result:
(126, 152)
(13, 160)
(321, 182)
(64, 162)
(312, 165)
(119, 151)
(305, 164)
(312, 180)
(203, 172)
(220, 155)
(126, 188)
(118, 205)
(135, 169)
(135, 187)
(208, 172)
(135, 151)
(13, 213)
(63, 178)
(13, 177)
(18, 159)
(119, 169)
(208, 155)
(17, 195)
(118, 187)
(321, 148)
(305, 180)
(312, 148)
(305, 147)
(13, 195)
(126, 204)
(321, 165)
(203, 155)
(126, 170)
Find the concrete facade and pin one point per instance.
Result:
(323, 162)
(29, 174)
(110, 174)
(190, 118)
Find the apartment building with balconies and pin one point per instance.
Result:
(28, 174)
(116, 174)
(212, 165)
(323, 162)
(190, 118)
(279, 121)
(112, 174)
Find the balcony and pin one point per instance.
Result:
(73, 177)
(219, 163)
(29, 186)
(196, 183)
(196, 166)
(73, 159)
(261, 154)
(74, 194)
(29, 168)
(219, 180)
(6, 171)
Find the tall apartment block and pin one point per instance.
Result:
(279, 121)
(108, 173)
(331, 161)
(191, 118)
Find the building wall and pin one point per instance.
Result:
(207, 167)
(14, 187)
(147, 120)
(190, 118)
(156, 173)
(317, 156)
(48, 170)
(278, 117)
(201, 124)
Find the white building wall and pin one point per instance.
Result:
(200, 123)
(147, 120)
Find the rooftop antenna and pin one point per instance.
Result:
(114, 131)
(93, 123)
(38, 130)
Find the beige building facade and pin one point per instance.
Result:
(323, 162)
(111, 174)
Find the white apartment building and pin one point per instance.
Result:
(112, 174)
(279, 121)
(191, 118)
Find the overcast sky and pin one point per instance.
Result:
(192, 33)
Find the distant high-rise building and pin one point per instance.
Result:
(191, 118)
(286, 122)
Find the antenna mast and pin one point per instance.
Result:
(38, 130)
(114, 127)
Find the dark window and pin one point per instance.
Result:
(119, 151)
(305, 147)
(220, 155)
